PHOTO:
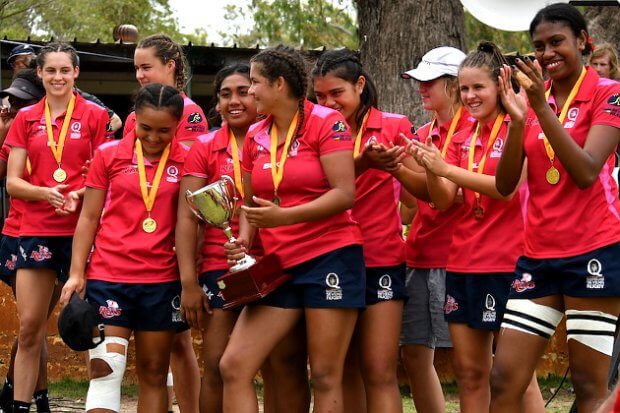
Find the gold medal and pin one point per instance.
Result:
(149, 225)
(553, 175)
(276, 199)
(478, 212)
(59, 175)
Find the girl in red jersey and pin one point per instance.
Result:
(212, 156)
(479, 273)
(570, 264)
(133, 291)
(341, 83)
(158, 59)
(299, 182)
(58, 135)
(430, 236)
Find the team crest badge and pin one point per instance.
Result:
(523, 284)
(595, 281)
(451, 305)
(489, 315)
(339, 126)
(194, 117)
(333, 291)
(111, 310)
(385, 291)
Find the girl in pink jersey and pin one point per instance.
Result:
(429, 239)
(487, 239)
(341, 83)
(132, 276)
(212, 156)
(566, 139)
(298, 184)
(158, 59)
(58, 135)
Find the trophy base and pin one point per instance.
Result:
(247, 285)
(243, 264)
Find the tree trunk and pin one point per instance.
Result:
(394, 35)
(603, 23)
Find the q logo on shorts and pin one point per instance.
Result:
(385, 282)
(176, 302)
(595, 267)
(332, 280)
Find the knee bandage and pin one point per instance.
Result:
(105, 392)
(594, 329)
(531, 318)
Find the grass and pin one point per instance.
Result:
(75, 390)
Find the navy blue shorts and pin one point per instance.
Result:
(208, 282)
(336, 279)
(8, 258)
(593, 274)
(139, 307)
(385, 284)
(478, 300)
(53, 253)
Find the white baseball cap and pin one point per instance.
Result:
(444, 60)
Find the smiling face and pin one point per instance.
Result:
(557, 49)
(234, 103)
(339, 94)
(479, 93)
(155, 128)
(150, 68)
(58, 74)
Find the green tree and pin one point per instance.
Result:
(507, 41)
(306, 23)
(86, 20)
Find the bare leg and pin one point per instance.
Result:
(152, 361)
(472, 365)
(329, 333)
(257, 332)
(354, 393)
(379, 333)
(423, 380)
(186, 372)
(285, 374)
(34, 294)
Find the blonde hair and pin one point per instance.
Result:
(610, 50)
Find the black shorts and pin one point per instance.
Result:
(138, 307)
(478, 300)
(385, 284)
(53, 253)
(593, 274)
(208, 282)
(8, 258)
(336, 279)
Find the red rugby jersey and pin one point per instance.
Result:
(563, 220)
(324, 131)
(86, 132)
(123, 251)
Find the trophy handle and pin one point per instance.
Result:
(189, 197)
(235, 197)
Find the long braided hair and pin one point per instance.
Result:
(167, 49)
(345, 64)
(286, 62)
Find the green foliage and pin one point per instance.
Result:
(86, 20)
(507, 41)
(307, 23)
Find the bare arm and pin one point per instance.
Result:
(582, 164)
(340, 173)
(94, 200)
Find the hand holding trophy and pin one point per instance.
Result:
(248, 280)
(216, 204)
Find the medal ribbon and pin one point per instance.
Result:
(149, 196)
(455, 121)
(234, 148)
(57, 148)
(497, 125)
(358, 137)
(564, 112)
(278, 173)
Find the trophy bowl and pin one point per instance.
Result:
(216, 204)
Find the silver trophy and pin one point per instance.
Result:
(216, 204)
